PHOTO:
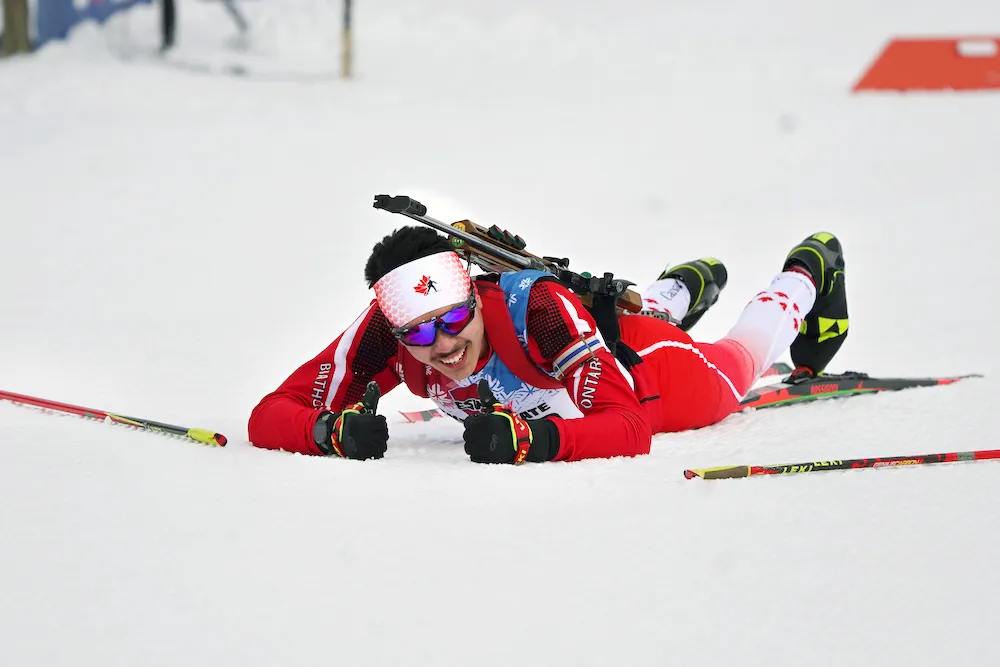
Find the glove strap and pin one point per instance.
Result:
(338, 427)
(520, 432)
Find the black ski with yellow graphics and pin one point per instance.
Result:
(810, 388)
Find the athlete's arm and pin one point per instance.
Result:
(333, 380)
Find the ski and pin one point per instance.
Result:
(417, 416)
(778, 368)
(827, 386)
(421, 415)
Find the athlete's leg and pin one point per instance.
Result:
(701, 383)
(825, 327)
(771, 321)
(695, 384)
(804, 310)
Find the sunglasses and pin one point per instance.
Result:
(422, 334)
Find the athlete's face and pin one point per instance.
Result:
(454, 355)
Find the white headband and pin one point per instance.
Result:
(423, 285)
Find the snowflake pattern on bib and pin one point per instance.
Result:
(462, 397)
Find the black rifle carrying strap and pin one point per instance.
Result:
(605, 314)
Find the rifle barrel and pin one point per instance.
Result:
(478, 243)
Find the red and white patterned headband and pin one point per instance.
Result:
(423, 285)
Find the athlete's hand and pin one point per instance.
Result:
(359, 433)
(500, 435)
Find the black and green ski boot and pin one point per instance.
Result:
(824, 328)
(705, 278)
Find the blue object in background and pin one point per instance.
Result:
(55, 18)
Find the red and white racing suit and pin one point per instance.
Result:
(679, 385)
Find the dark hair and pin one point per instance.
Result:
(402, 247)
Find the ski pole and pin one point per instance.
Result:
(197, 434)
(728, 472)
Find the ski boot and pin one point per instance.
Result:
(824, 328)
(704, 278)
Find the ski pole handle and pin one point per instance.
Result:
(486, 397)
(371, 396)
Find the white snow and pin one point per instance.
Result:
(173, 244)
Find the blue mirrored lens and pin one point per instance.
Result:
(459, 315)
(451, 322)
(422, 334)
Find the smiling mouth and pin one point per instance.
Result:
(455, 358)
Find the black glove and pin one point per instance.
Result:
(500, 435)
(357, 432)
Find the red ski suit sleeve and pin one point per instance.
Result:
(614, 424)
(335, 379)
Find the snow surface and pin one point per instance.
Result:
(174, 243)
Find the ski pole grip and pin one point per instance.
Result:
(486, 397)
(399, 204)
(207, 437)
(372, 394)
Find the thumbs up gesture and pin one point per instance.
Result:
(359, 433)
(498, 435)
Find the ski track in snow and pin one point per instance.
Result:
(174, 244)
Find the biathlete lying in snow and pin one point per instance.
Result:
(561, 395)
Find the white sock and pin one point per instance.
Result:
(667, 296)
(770, 322)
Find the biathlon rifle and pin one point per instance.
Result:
(497, 250)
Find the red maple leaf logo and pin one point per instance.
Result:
(425, 285)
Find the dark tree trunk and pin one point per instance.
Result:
(15, 27)
(168, 24)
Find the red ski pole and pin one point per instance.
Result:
(728, 472)
(196, 434)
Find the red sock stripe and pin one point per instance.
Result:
(803, 271)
